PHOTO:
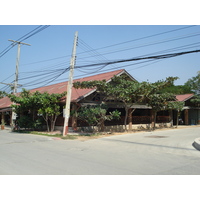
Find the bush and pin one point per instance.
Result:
(26, 122)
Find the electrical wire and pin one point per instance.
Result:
(148, 44)
(141, 58)
(108, 46)
(24, 37)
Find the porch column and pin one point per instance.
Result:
(198, 117)
(74, 116)
(186, 117)
(171, 118)
(130, 119)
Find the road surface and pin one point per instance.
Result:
(144, 153)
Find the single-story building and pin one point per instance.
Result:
(141, 117)
(191, 113)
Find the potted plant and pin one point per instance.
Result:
(2, 124)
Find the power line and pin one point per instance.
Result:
(137, 39)
(141, 58)
(150, 44)
(47, 79)
(149, 36)
(24, 37)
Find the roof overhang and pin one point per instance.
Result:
(5, 109)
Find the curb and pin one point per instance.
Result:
(197, 143)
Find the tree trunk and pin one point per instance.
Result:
(53, 121)
(46, 120)
(130, 117)
(126, 116)
(153, 119)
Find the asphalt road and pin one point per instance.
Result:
(146, 153)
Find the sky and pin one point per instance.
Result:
(51, 50)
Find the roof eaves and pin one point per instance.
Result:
(189, 97)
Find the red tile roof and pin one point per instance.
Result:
(61, 87)
(184, 97)
(5, 102)
(77, 93)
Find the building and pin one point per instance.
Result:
(141, 117)
(191, 112)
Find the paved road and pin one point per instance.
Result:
(145, 153)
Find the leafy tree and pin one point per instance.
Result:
(159, 102)
(26, 103)
(29, 105)
(127, 91)
(50, 108)
(178, 106)
(96, 115)
(120, 89)
(194, 83)
(177, 89)
(196, 100)
(2, 94)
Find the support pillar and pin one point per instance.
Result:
(186, 117)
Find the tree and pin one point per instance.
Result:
(97, 115)
(194, 83)
(125, 90)
(28, 105)
(178, 106)
(159, 102)
(2, 94)
(120, 89)
(196, 100)
(177, 89)
(50, 108)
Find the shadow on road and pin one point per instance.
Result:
(147, 144)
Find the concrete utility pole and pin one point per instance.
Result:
(17, 64)
(16, 73)
(69, 86)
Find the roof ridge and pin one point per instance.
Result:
(120, 70)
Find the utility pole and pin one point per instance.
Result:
(16, 73)
(17, 64)
(69, 86)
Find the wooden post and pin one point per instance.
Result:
(186, 116)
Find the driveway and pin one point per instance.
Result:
(144, 153)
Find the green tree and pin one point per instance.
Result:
(125, 90)
(2, 94)
(28, 105)
(196, 100)
(177, 89)
(50, 108)
(194, 83)
(159, 102)
(97, 115)
(119, 89)
(178, 106)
